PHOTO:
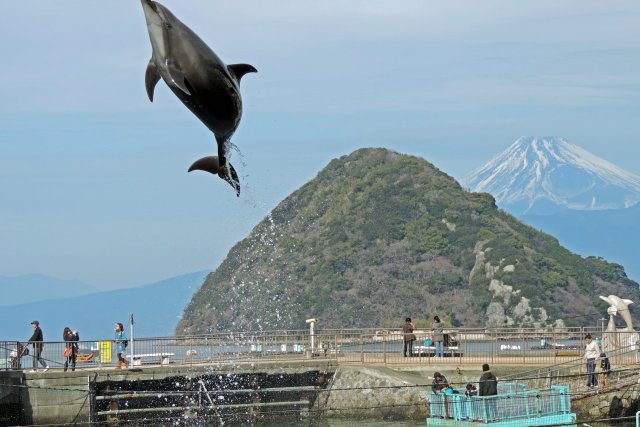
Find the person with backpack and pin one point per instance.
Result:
(121, 343)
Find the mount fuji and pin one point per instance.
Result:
(588, 203)
(539, 176)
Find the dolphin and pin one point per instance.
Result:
(619, 306)
(198, 77)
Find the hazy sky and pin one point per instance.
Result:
(93, 181)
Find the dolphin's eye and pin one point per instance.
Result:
(167, 25)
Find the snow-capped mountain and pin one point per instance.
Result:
(548, 174)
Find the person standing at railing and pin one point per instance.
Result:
(70, 348)
(591, 353)
(439, 383)
(121, 343)
(438, 336)
(408, 336)
(469, 406)
(488, 386)
(36, 340)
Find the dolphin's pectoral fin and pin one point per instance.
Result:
(211, 164)
(239, 70)
(177, 77)
(151, 78)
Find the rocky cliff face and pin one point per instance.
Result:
(378, 236)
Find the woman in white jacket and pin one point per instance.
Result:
(591, 354)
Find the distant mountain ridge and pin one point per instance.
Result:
(38, 287)
(548, 174)
(612, 234)
(377, 236)
(157, 308)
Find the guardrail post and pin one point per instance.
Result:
(554, 340)
(132, 343)
(384, 349)
(494, 343)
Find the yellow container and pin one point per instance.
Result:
(105, 352)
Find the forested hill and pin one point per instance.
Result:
(377, 236)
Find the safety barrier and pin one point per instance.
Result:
(516, 407)
(355, 346)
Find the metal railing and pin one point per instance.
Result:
(573, 373)
(516, 346)
(552, 404)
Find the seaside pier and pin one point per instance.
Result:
(281, 374)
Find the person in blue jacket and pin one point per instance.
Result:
(121, 343)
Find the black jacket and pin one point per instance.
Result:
(37, 338)
(488, 384)
(72, 341)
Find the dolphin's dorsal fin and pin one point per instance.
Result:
(151, 77)
(239, 70)
(177, 76)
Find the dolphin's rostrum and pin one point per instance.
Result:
(208, 87)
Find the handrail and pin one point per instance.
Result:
(365, 346)
(514, 404)
(627, 350)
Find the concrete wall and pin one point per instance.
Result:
(612, 404)
(63, 397)
(382, 392)
(54, 398)
(393, 393)
(10, 404)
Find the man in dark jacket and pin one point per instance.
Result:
(489, 387)
(36, 340)
(488, 382)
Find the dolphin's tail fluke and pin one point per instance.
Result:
(227, 172)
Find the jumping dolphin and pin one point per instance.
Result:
(208, 87)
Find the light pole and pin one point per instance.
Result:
(132, 346)
(312, 323)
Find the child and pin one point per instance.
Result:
(605, 367)
(471, 390)
(471, 408)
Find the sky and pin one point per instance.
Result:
(93, 177)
